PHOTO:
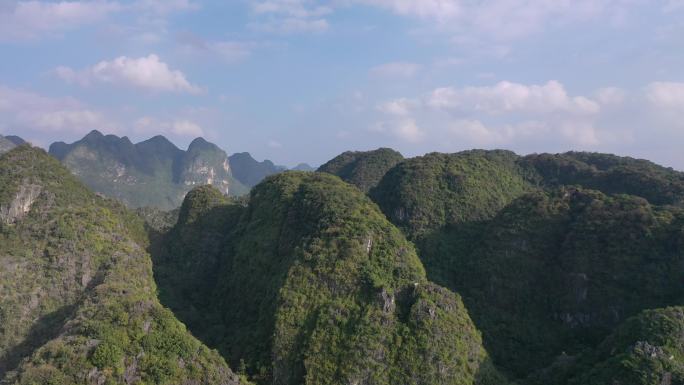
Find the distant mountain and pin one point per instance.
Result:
(303, 167)
(151, 173)
(78, 301)
(364, 169)
(249, 171)
(9, 142)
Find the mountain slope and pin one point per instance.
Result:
(545, 269)
(362, 169)
(77, 297)
(151, 173)
(610, 174)
(309, 284)
(425, 193)
(249, 171)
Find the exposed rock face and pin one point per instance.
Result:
(205, 163)
(151, 173)
(21, 204)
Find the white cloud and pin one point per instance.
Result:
(610, 96)
(503, 114)
(396, 70)
(398, 107)
(146, 73)
(668, 95)
(506, 97)
(477, 133)
(26, 111)
(186, 128)
(32, 19)
(290, 16)
(180, 127)
(436, 9)
(274, 144)
(405, 129)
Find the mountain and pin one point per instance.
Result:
(250, 172)
(78, 301)
(9, 142)
(308, 283)
(303, 167)
(150, 173)
(551, 253)
(362, 169)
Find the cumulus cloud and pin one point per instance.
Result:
(398, 107)
(396, 70)
(504, 19)
(31, 19)
(499, 115)
(506, 97)
(148, 73)
(148, 125)
(22, 110)
(668, 95)
(610, 96)
(404, 129)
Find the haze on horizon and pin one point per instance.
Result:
(303, 80)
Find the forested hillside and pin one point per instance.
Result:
(78, 301)
(551, 253)
(308, 283)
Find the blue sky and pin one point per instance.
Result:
(303, 80)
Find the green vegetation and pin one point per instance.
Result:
(429, 192)
(610, 174)
(77, 299)
(362, 169)
(152, 173)
(309, 284)
(568, 265)
(547, 267)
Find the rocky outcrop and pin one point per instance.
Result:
(21, 204)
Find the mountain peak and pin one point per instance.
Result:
(94, 134)
(200, 143)
(249, 171)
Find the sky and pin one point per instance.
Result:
(304, 80)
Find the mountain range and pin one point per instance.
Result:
(155, 172)
(478, 267)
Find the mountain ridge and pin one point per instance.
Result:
(153, 172)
